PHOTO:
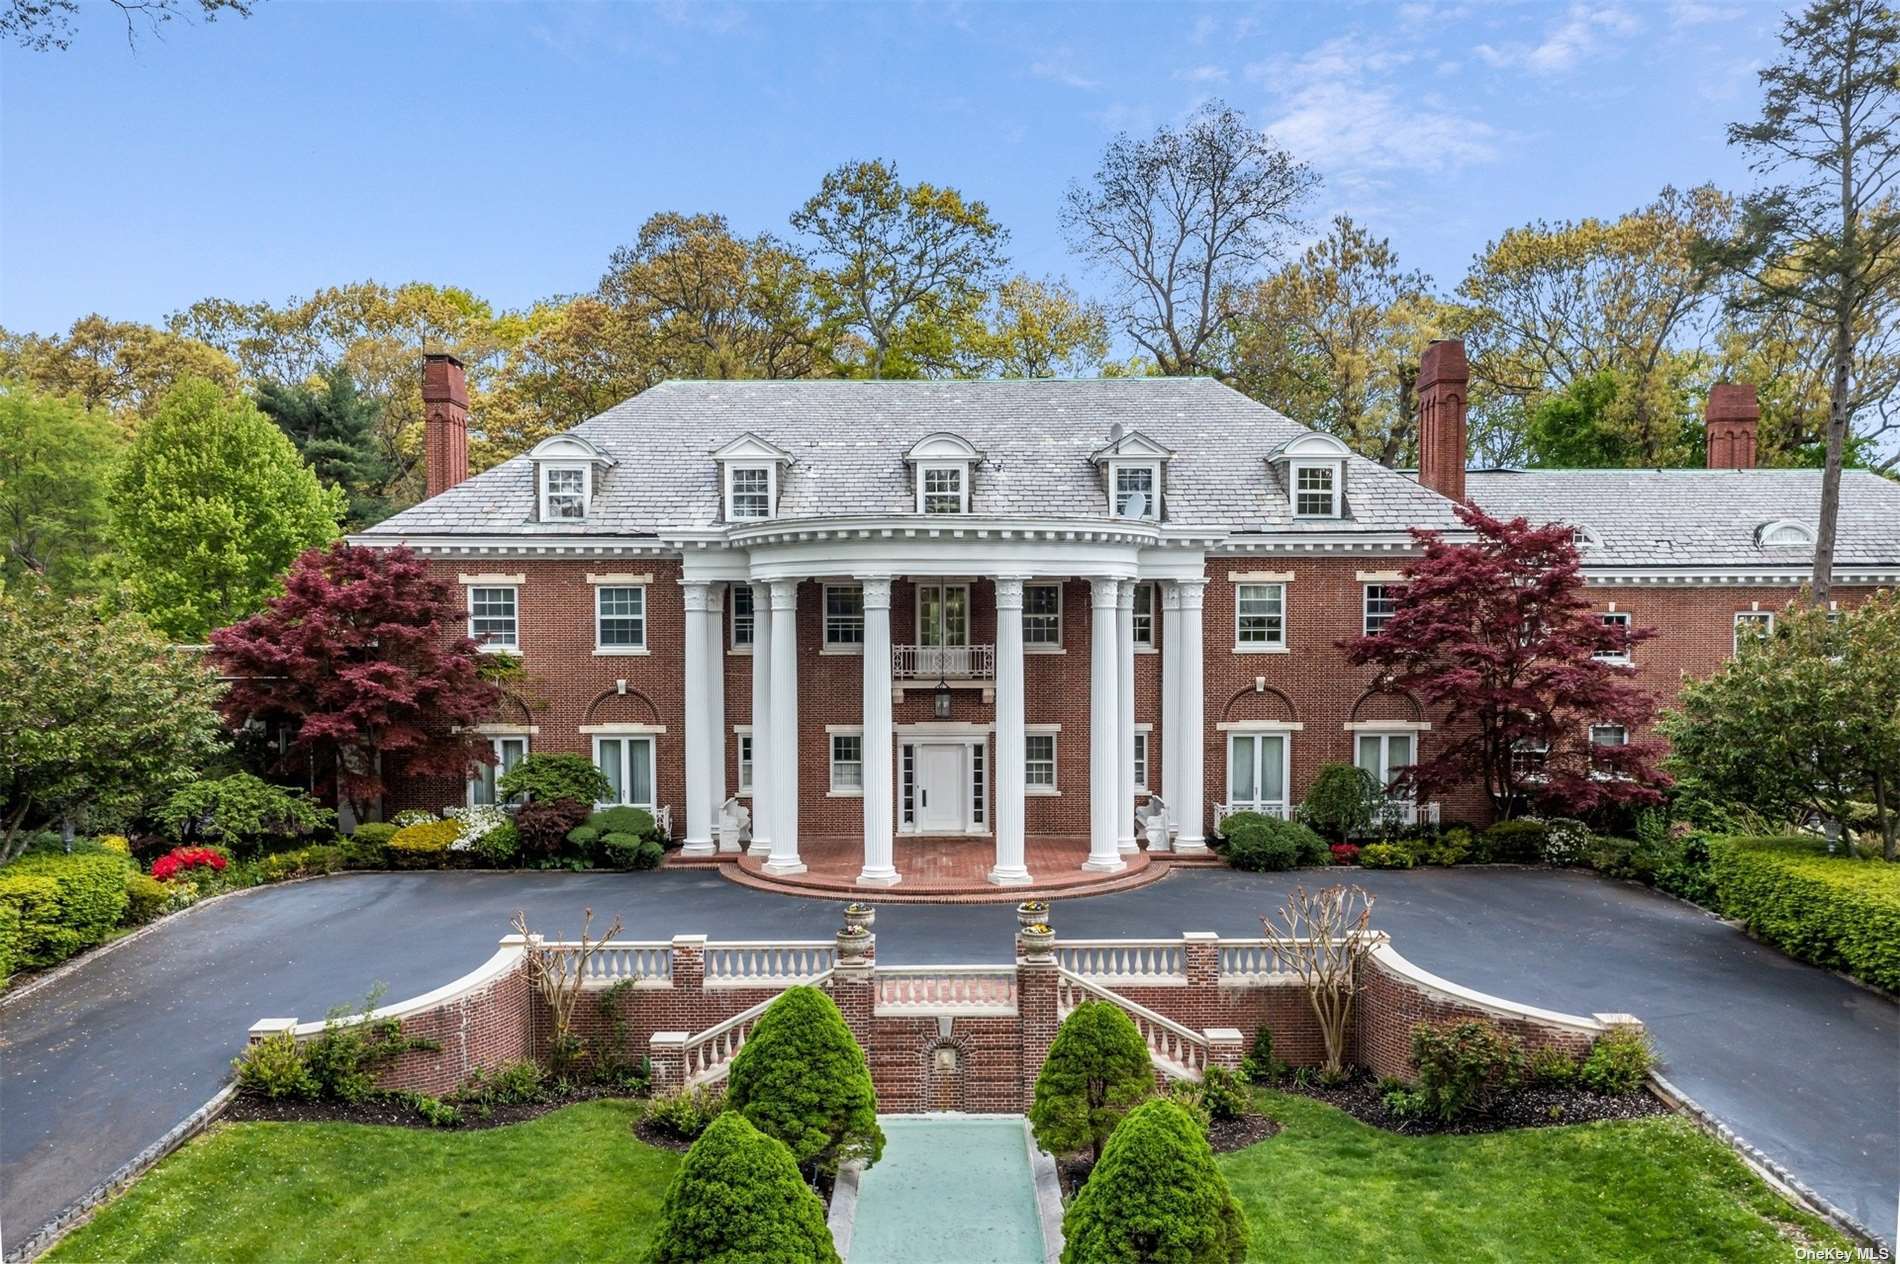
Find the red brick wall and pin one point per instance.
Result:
(1389, 1006)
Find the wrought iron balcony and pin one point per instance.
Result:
(943, 662)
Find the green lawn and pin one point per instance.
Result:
(571, 1185)
(1328, 1187)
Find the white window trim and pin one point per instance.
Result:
(1335, 468)
(771, 489)
(917, 603)
(1385, 734)
(825, 644)
(1365, 605)
(1261, 647)
(626, 734)
(1764, 619)
(620, 651)
(833, 790)
(1153, 644)
(962, 470)
(1028, 648)
(517, 733)
(1145, 740)
(1054, 789)
(1115, 467)
(741, 737)
(731, 616)
(1285, 802)
(471, 585)
(586, 471)
(1614, 656)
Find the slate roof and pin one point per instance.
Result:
(1691, 518)
(848, 441)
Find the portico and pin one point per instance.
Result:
(955, 735)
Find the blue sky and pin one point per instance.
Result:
(510, 147)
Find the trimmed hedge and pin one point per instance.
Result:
(1834, 911)
(53, 905)
(1261, 843)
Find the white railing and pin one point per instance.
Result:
(1124, 960)
(1222, 811)
(647, 964)
(930, 990)
(1253, 959)
(1179, 1051)
(1405, 812)
(943, 662)
(768, 963)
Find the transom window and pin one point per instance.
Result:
(847, 763)
(944, 491)
(1145, 615)
(1039, 762)
(492, 618)
(509, 751)
(1259, 615)
(844, 615)
(1257, 772)
(1316, 491)
(1383, 754)
(563, 492)
(627, 763)
(620, 618)
(739, 603)
(750, 491)
(1753, 625)
(1619, 619)
(1380, 603)
(1135, 492)
(1042, 615)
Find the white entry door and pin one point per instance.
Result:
(943, 789)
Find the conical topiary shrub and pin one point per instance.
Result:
(738, 1199)
(1097, 1069)
(802, 1079)
(1155, 1195)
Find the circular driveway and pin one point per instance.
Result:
(98, 1065)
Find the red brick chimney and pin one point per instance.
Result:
(1443, 377)
(1729, 421)
(445, 424)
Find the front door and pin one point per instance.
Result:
(942, 788)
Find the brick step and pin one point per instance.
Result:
(822, 886)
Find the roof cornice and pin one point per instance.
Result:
(1702, 576)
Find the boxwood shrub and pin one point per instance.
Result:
(53, 905)
(1258, 843)
(1519, 842)
(1834, 911)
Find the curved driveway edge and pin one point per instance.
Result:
(94, 1070)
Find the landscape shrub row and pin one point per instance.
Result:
(1832, 910)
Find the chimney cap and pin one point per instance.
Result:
(1444, 360)
(443, 380)
(1732, 402)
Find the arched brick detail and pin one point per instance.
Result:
(946, 1073)
(1260, 704)
(512, 710)
(1387, 704)
(614, 707)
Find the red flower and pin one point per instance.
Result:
(1345, 853)
(178, 859)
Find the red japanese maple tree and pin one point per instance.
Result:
(366, 659)
(1498, 634)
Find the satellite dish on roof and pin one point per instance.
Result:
(1136, 506)
(1115, 432)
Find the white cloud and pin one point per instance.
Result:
(1202, 74)
(1204, 28)
(1686, 13)
(1583, 32)
(1059, 67)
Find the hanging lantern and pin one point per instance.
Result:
(940, 701)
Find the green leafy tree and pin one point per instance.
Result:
(241, 811)
(334, 427)
(802, 1079)
(97, 716)
(1827, 240)
(213, 504)
(1343, 801)
(1097, 1069)
(1155, 1194)
(1801, 723)
(738, 1199)
(901, 266)
(1039, 329)
(551, 778)
(117, 365)
(56, 466)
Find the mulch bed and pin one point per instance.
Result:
(1529, 1107)
(1224, 1135)
(393, 1111)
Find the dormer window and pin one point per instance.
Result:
(567, 471)
(942, 466)
(750, 468)
(1784, 535)
(1135, 491)
(1312, 468)
(1133, 466)
(1584, 539)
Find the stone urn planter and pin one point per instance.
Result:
(859, 916)
(1039, 942)
(854, 943)
(1032, 913)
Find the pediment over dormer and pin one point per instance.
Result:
(1132, 446)
(1311, 446)
(751, 447)
(570, 447)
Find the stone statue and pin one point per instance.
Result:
(735, 825)
(1153, 823)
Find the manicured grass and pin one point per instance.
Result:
(1328, 1187)
(572, 1185)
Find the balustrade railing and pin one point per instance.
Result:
(645, 963)
(1253, 959)
(1161, 961)
(1222, 811)
(946, 662)
(972, 990)
(768, 963)
(1179, 1051)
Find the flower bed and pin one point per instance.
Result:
(184, 859)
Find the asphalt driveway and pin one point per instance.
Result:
(101, 1063)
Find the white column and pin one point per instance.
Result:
(699, 819)
(1009, 869)
(784, 857)
(716, 701)
(879, 814)
(1191, 811)
(1104, 718)
(1125, 712)
(1173, 748)
(762, 805)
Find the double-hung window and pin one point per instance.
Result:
(509, 751)
(493, 618)
(1259, 616)
(1316, 491)
(620, 618)
(749, 492)
(1753, 625)
(1136, 495)
(1042, 616)
(1530, 759)
(1382, 755)
(739, 603)
(745, 763)
(1039, 763)
(1141, 763)
(1145, 615)
(844, 616)
(847, 763)
(1257, 773)
(563, 493)
(1606, 737)
(1380, 603)
(943, 490)
(627, 763)
(1618, 619)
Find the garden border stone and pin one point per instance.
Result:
(1042, 1170)
(842, 1216)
